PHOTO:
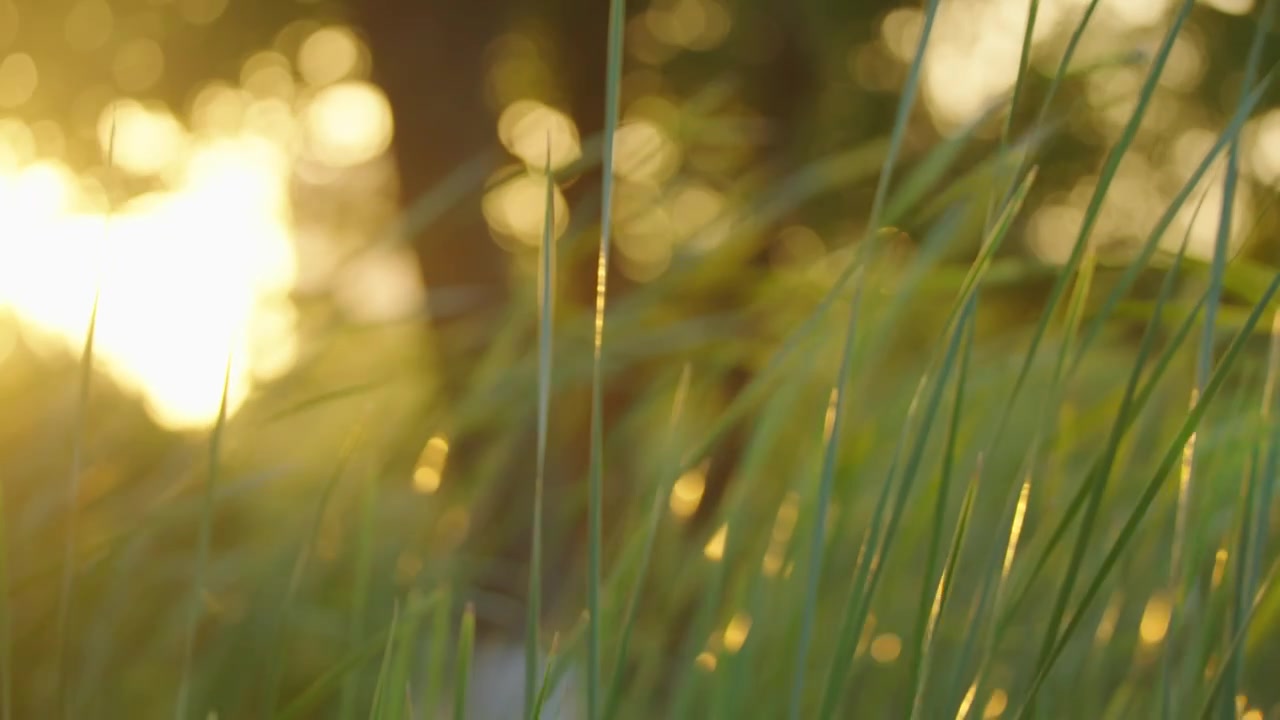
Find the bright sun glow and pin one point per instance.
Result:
(196, 272)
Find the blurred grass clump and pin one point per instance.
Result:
(969, 483)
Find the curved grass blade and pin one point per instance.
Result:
(181, 709)
(817, 541)
(383, 687)
(1204, 365)
(878, 547)
(437, 652)
(1155, 318)
(1233, 648)
(1094, 208)
(541, 700)
(661, 491)
(595, 490)
(546, 321)
(865, 577)
(1143, 258)
(931, 609)
(1171, 458)
(66, 588)
(906, 102)
(1094, 486)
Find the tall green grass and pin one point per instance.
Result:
(935, 513)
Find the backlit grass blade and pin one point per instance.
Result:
(1142, 397)
(871, 565)
(1152, 488)
(995, 579)
(1233, 648)
(831, 443)
(545, 687)
(1143, 258)
(66, 588)
(395, 691)
(546, 321)
(462, 675)
(1100, 472)
(1094, 208)
(661, 491)
(1178, 569)
(195, 608)
(595, 491)
(898, 134)
(933, 599)
(382, 687)
(866, 578)
(438, 652)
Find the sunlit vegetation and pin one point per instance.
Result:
(1004, 293)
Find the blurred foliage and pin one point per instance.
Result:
(778, 124)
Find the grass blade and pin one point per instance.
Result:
(546, 321)
(1171, 458)
(878, 546)
(66, 588)
(437, 652)
(817, 542)
(182, 709)
(933, 603)
(646, 554)
(595, 490)
(383, 685)
(1094, 208)
(541, 700)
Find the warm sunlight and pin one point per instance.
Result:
(196, 270)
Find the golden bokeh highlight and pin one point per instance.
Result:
(643, 152)
(329, 55)
(735, 633)
(348, 124)
(268, 74)
(996, 704)
(783, 526)
(885, 648)
(89, 24)
(138, 65)
(706, 660)
(201, 12)
(698, 25)
(714, 549)
(429, 470)
(530, 130)
(18, 80)
(1219, 567)
(686, 493)
(142, 140)
(517, 208)
(1155, 620)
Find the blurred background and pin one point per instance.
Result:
(337, 207)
